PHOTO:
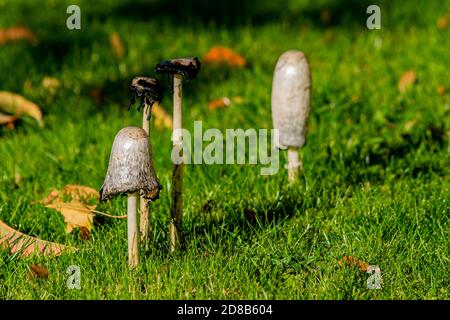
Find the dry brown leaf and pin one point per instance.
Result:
(116, 45)
(440, 90)
(224, 56)
(38, 271)
(443, 22)
(26, 245)
(76, 215)
(73, 192)
(16, 34)
(79, 192)
(162, 118)
(18, 105)
(6, 119)
(407, 79)
(351, 261)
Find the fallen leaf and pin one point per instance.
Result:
(162, 118)
(76, 215)
(406, 81)
(6, 119)
(26, 245)
(224, 56)
(225, 102)
(16, 34)
(219, 103)
(18, 105)
(73, 192)
(116, 45)
(38, 271)
(443, 22)
(440, 90)
(352, 262)
(51, 84)
(79, 192)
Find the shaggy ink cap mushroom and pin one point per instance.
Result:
(130, 166)
(187, 67)
(146, 90)
(291, 89)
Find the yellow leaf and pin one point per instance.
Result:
(162, 118)
(116, 45)
(18, 105)
(7, 119)
(26, 245)
(76, 214)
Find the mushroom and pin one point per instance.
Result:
(291, 91)
(130, 171)
(149, 92)
(178, 68)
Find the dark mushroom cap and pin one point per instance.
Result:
(147, 90)
(187, 67)
(130, 166)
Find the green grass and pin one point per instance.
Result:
(371, 188)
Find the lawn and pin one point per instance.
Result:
(375, 184)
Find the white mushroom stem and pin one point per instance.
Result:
(145, 225)
(176, 236)
(294, 164)
(133, 252)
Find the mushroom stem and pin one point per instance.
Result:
(294, 164)
(133, 253)
(176, 236)
(145, 225)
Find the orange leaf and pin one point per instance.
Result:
(224, 56)
(219, 103)
(16, 34)
(440, 90)
(407, 80)
(116, 45)
(443, 22)
(351, 262)
(18, 105)
(26, 245)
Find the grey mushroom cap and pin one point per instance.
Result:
(130, 166)
(291, 91)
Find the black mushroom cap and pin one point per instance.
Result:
(146, 90)
(187, 67)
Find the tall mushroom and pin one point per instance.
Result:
(130, 171)
(178, 68)
(149, 92)
(291, 91)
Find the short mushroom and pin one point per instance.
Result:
(178, 68)
(129, 172)
(291, 91)
(149, 93)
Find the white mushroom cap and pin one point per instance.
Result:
(130, 166)
(291, 90)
